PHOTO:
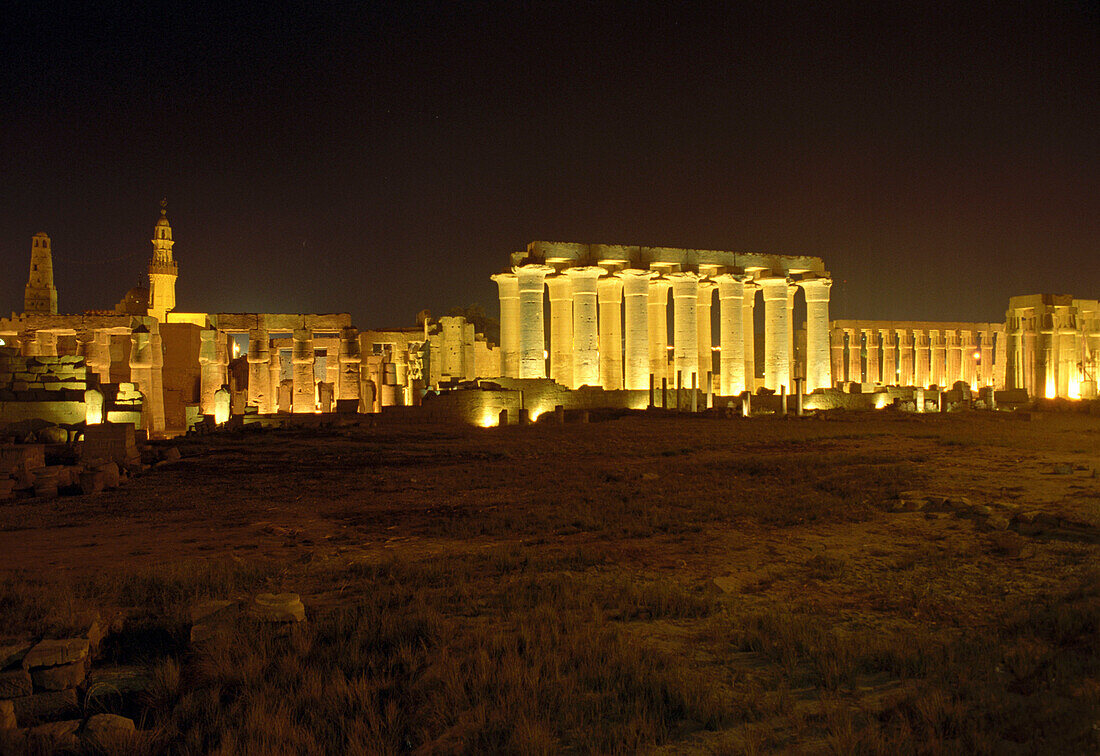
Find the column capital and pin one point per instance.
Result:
(504, 278)
(707, 285)
(774, 287)
(683, 275)
(586, 271)
(629, 273)
(816, 289)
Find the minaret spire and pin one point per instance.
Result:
(40, 295)
(163, 270)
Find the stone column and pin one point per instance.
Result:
(954, 359)
(855, 355)
(777, 353)
(97, 354)
(508, 287)
(939, 358)
(969, 361)
(351, 358)
(986, 375)
(923, 373)
(636, 313)
(47, 343)
(586, 339)
(836, 342)
(872, 356)
(28, 343)
(305, 386)
(818, 374)
(532, 338)
(685, 333)
(141, 375)
(259, 371)
(905, 357)
(212, 361)
(610, 294)
(561, 329)
(1000, 347)
(275, 379)
(731, 335)
(889, 357)
(747, 320)
(658, 328)
(704, 339)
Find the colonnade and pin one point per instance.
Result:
(608, 323)
(1053, 345)
(900, 353)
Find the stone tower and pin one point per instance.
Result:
(40, 296)
(163, 270)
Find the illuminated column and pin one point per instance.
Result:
(29, 343)
(212, 361)
(259, 371)
(508, 287)
(610, 295)
(97, 354)
(658, 328)
(872, 355)
(1000, 347)
(954, 359)
(704, 339)
(275, 379)
(731, 303)
(985, 377)
(47, 343)
(586, 340)
(749, 323)
(685, 333)
(969, 347)
(777, 353)
(818, 374)
(889, 357)
(351, 358)
(636, 313)
(305, 387)
(855, 355)
(922, 370)
(561, 329)
(836, 341)
(141, 375)
(939, 359)
(532, 337)
(905, 357)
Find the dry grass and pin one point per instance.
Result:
(548, 589)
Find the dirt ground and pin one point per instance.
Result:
(845, 584)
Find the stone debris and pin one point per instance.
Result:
(282, 607)
(51, 705)
(102, 726)
(15, 683)
(211, 618)
(49, 653)
(60, 677)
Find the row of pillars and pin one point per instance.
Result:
(915, 357)
(592, 343)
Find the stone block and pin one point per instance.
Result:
(282, 607)
(12, 653)
(20, 387)
(15, 683)
(110, 441)
(115, 680)
(101, 726)
(45, 705)
(215, 611)
(50, 653)
(7, 716)
(60, 677)
(91, 481)
(56, 736)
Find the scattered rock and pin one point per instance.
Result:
(997, 522)
(15, 683)
(214, 611)
(7, 715)
(121, 679)
(59, 735)
(91, 481)
(108, 725)
(50, 653)
(727, 584)
(45, 705)
(282, 607)
(171, 454)
(60, 677)
(650, 476)
(1062, 469)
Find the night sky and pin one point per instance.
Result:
(382, 159)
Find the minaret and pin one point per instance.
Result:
(163, 270)
(40, 296)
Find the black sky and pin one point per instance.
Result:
(384, 158)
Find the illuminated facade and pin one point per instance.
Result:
(922, 354)
(608, 317)
(1053, 345)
